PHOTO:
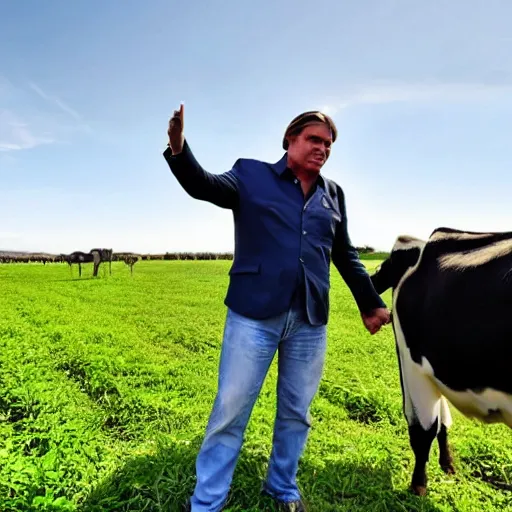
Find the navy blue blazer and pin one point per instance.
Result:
(281, 238)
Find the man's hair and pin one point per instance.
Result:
(305, 119)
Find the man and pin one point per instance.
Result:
(289, 222)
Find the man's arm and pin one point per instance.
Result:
(219, 189)
(346, 259)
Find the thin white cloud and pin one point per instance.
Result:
(54, 99)
(25, 125)
(390, 92)
(16, 135)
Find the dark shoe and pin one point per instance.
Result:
(291, 506)
(286, 506)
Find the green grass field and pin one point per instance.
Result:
(106, 385)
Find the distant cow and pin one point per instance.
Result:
(79, 257)
(103, 255)
(452, 304)
(96, 256)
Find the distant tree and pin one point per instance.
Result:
(130, 260)
(366, 249)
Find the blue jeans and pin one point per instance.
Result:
(247, 352)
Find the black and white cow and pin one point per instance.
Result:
(79, 257)
(452, 312)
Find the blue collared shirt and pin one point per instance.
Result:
(284, 242)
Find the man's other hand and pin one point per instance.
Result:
(376, 319)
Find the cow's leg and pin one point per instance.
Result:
(423, 403)
(445, 456)
(421, 442)
(422, 408)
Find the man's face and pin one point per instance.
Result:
(311, 148)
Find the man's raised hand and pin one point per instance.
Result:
(175, 131)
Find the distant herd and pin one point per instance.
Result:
(39, 257)
(98, 256)
(95, 256)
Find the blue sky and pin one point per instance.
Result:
(421, 93)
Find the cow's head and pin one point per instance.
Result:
(405, 254)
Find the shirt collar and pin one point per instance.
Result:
(282, 170)
(280, 166)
